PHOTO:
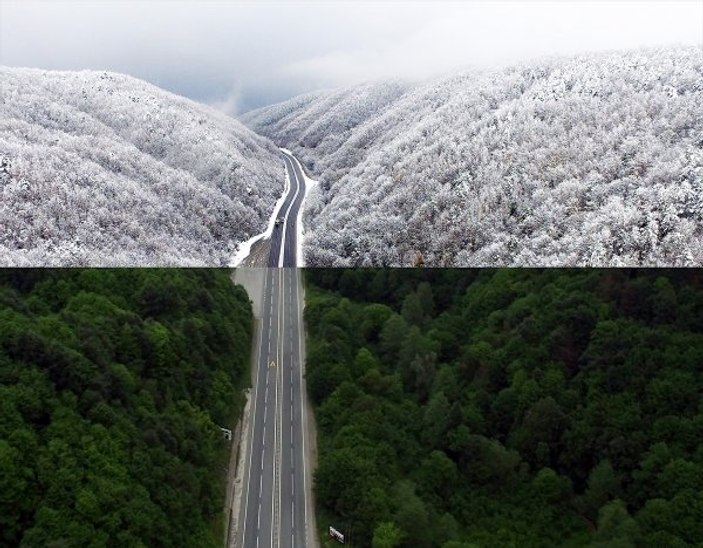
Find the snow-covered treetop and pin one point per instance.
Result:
(587, 160)
(101, 168)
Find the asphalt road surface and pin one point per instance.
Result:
(284, 234)
(275, 506)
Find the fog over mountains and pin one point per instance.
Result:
(104, 169)
(589, 160)
(592, 160)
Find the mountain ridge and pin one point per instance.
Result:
(589, 160)
(105, 169)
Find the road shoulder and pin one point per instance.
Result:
(309, 426)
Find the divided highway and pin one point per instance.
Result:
(284, 235)
(276, 510)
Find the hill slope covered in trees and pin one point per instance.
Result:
(518, 407)
(590, 160)
(112, 386)
(104, 169)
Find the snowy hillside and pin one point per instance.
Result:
(103, 169)
(321, 124)
(590, 160)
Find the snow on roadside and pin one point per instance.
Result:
(244, 249)
(300, 232)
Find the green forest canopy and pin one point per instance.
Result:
(112, 386)
(463, 408)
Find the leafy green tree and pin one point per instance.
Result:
(386, 535)
(374, 317)
(426, 298)
(615, 526)
(439, 474)
(603, 485)
(526, 406)
(364, 362)
(107, 433)
(551, 487)
(411, 516)
(393, 334)
(412, 310)
(544, 423)
(664, 302)
(678, 475)
(435, 419)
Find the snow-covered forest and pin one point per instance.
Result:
(104, 169)
(589, 160)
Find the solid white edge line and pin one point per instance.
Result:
(278, 418)
(244, 248)
(302, 399)
(308, 184)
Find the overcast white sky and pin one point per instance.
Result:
(241, 55)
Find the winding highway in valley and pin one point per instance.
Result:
(276, 508)
(284, 235)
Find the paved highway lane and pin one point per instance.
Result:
(258, 502)
(285, 235)
(290, 236)
(275, 504)
(293, 464)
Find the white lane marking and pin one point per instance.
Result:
(280, 408)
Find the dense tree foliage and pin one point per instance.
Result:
(591, 160)
(113, 384)
(462, 408)
(98, 168)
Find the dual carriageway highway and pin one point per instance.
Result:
(276, 508)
